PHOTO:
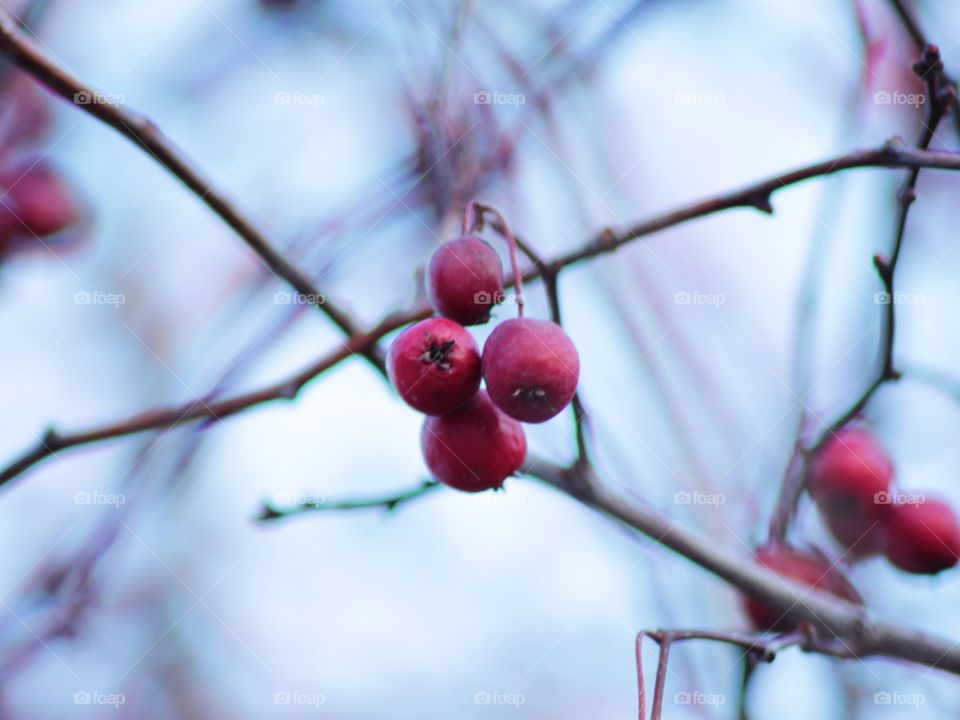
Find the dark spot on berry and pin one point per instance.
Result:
(436, 354)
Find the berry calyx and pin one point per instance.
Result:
(474, 448)
(531, 368)
(849, 479)
(434, 365)
(465, 280)
(803, 568)
(923, 537)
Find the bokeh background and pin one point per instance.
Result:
(135, 583)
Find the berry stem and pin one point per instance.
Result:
(473, 221)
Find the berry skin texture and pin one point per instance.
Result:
(803, 568)
(465, 280)
(531, 368)
(475, 448)
(435, 366)
(36, 201)
(923, 538)
(850, 480)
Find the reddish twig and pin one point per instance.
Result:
(761, 647)
(473, 220)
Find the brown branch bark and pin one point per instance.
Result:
(860, 634)
(54, 442)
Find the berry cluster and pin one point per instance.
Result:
(851, 481)
(472, 439)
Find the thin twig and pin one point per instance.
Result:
(912, 26)
(54, 442)
(271, 512)
(26, 54)
(550, 277)
(939, 95)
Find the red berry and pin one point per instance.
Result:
(434, 365)
(923, 538)
(531, 368)
(850, 480)
(804, 568)
(465, 280)
(475, 448)
(35, 201)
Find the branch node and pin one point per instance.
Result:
(51, 439)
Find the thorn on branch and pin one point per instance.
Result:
(762, 203)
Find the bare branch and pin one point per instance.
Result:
(54, 442)
(829, 616)
(891, 155)
(26, 54)
(939, 96)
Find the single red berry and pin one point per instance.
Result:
(803, 568)
(434, 365)
(465, 280)
(850, 480)
(923, 537)
(35, 201)
(531, 368)
(474, 448)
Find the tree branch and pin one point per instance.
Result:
(54, 442)
(891, 155)
(28, 56)
(859, 633)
